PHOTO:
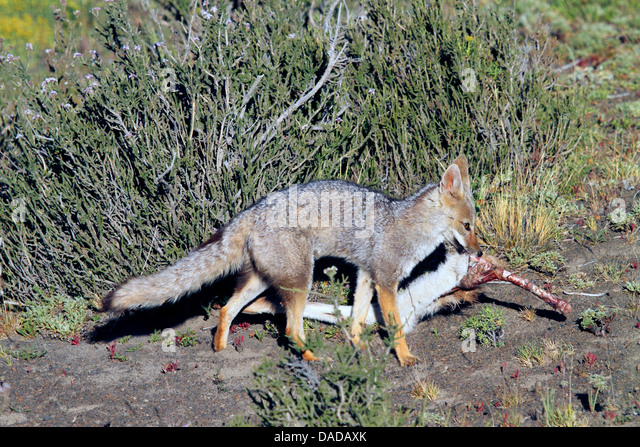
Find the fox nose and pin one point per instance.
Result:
(479, 253)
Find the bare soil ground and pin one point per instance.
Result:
(80, 383)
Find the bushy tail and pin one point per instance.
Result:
(220, 255)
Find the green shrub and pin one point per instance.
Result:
(345, 388)
(486, 326)
(131, 153)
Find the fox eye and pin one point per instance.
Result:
(467, 226)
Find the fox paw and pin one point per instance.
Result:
(309, 356)
(408, 360)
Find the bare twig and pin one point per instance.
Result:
(336, 59)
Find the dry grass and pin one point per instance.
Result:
(424, 389)
(512, 218)
(9, 321)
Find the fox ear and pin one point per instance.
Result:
(463, 166)
(451, 183)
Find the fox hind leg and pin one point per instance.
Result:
(361, 302)
(294, 301)
(249, 286)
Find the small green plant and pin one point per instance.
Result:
(28, 353)
(135, 348)
(547, 262)
(334, 288)
(597, 320)
(633, 287)
(186, 339)
(156, 336)
(486, 325)
(56, 315)
(219, 382)
(580, 281)
(271, 329)
(557, 349)
(114, 355)
(610, 271)
(598, 383)
(258, 334)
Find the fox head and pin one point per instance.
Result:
(457, 202)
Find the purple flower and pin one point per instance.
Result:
(29, 46)
(75, 55)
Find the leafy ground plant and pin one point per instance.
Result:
(486, 326)
(597, 320)
(56, 315)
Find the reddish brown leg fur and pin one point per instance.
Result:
(388, 301)
(294, 303)
(250, 285)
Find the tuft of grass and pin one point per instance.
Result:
(527, 314)
(187, 338)
(610, 271)
(531, 353)
(28, 353)
(564, 415)
(557, 349)
(514, 215)
(425, 389)
(538, 352)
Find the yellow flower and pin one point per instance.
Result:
(469, 38)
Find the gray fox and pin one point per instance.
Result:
(276, 241)
(437, 287)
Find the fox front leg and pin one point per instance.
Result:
(388, 300)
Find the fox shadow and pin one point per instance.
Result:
(204, 303)
(549, 314)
